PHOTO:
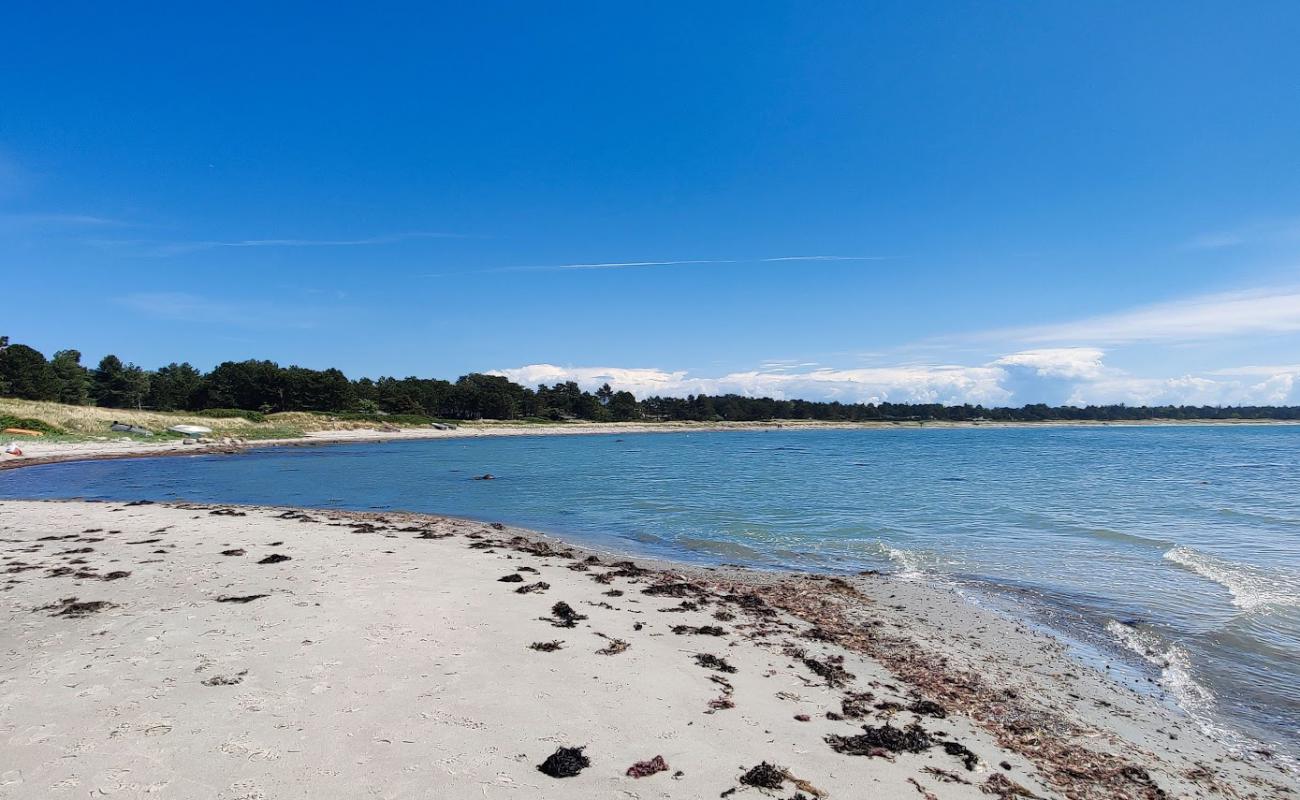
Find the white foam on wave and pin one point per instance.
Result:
(1197, 701)
(1175, 669)
(1251, 588)
(909, 563)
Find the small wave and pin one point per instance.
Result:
(1251, 588)
(909, 562)
(1175, 668)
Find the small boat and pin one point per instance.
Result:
(190, 430)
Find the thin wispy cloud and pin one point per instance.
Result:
(174, 248)
(58, 219)
(1261, 233)
(617, 265)
(1212, 316)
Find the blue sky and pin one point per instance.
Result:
(951, 201)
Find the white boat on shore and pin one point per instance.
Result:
(190, 430)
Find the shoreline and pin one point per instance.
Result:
(37, 452)
(1011, 695)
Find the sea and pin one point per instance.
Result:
(1169, 554)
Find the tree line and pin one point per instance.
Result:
(266, 387)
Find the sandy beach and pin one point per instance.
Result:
(230, 652)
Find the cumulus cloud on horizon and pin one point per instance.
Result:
(1057, 376)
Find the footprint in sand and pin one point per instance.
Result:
(244, 791)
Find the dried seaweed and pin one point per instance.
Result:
(71, 607)
(226, 680)
(710, 661)
(546, 647)
(887, 738)
(1003, 787)
(246, 598)
(685, 605)
(928, 708)
(513, 577)
(563, 615)
(764, 776)
(642, 769)
(830, 669)
(540, 586)
(968, 759)
(274, 558)
(615, 646)
(1057, 745)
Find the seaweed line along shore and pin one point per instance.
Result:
(187, 649)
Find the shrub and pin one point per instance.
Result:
(7, 421)
(394, 419)
(233, 413)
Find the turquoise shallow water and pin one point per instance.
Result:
(1174, 549)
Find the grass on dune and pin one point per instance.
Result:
(61, 421)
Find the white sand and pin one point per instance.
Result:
(390, 666)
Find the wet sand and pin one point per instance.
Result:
(229, 652)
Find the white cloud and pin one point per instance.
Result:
(913, 384)
(1259, 311)
(1058, 362)
(1072, 376)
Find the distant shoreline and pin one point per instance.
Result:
(37, 452)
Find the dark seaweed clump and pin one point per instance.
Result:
(886, 739)
(702, 630)
(540, 586)
(764, 776)
(830, 670)
(513, 577)
(546, 647)
(565, 762)
(968, 759)
(928, 708)
(710, 661)
(563, 615)
(274, 558)
(71, 607)
(243, 598)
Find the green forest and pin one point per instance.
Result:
(263, 387)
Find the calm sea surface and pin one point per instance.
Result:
(1169, 550)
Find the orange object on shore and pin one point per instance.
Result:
(23, 432)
